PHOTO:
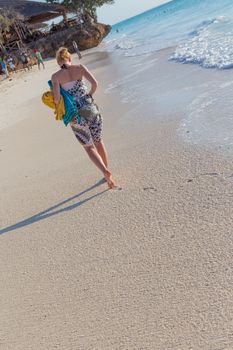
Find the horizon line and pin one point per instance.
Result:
(141, 13)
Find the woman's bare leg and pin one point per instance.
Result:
(98, 161)
(102, 152)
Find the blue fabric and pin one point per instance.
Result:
(70, 105)
(3, 64)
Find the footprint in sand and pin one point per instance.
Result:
(116, 188)
(204, 174)
(209, 174)
(150, 189)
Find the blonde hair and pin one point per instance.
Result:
(63, 55)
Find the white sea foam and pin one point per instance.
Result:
(202, 31)
(211, 46)
(126, 45)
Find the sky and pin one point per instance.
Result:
(123, 9)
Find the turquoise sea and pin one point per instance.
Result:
(186, 47)
(201, 31)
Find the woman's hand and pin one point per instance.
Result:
(86, 74)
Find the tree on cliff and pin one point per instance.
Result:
(84, 6)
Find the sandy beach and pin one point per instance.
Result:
(144, 267)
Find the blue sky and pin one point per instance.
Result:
(123, 9)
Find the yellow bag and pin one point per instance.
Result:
(59, 109)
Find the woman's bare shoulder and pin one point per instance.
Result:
(77, 66)
(56, 75)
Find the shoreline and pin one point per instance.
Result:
(147, 267)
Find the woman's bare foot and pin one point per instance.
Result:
(109, 179)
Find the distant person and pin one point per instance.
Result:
(25, 60)
(4, 67)
(88, 126)
(39, 58)
(11, 64)
(75, 46)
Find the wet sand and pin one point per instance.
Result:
(146, 267)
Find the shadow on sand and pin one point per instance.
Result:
(47, 213)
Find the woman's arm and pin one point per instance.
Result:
(86, 74)
(56, 90)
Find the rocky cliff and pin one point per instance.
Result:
(87, 36)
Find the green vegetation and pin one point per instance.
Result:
(82, 5)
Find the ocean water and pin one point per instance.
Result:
(186, 49)
(200, 30)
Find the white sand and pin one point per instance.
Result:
(82, 268)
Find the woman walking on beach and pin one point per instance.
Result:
(88, 130)
(39, 58)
